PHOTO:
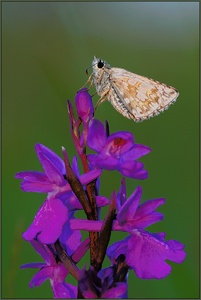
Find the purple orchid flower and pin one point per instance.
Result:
(116, 152)
(53, 214)
(145, 253)
(52, 270)
(52, 181)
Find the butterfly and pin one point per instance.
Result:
(135, 97)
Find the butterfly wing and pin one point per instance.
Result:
(138, 97)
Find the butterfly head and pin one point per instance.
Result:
(98, 64)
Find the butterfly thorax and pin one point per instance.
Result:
(101, 75)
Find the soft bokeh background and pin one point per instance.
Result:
(46, 48)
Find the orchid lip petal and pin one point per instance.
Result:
(52, 214)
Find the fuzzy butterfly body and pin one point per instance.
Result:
(135, 97)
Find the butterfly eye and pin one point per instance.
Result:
(100, 64)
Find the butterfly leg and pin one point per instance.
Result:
(102, 99)
(89, 80)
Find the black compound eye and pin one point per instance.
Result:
(100, 64)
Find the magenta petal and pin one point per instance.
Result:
(177, 254)
(117, 249)
(128, 209)
(160, 235)
(146, 221)
(96, 136)
(70, 201)
(121, 196)
(92, 158)
(145, 214)
(70, 239)
(148, 206)
(32, 176)
(34, 182)
(90, 176)
(51, 170)
(41, 276)
(101, 161)
(44, 251)
(128, 168)
(64, 290)
(80, 251)
(89, 225)
(37, 187)
(58, 162)
(132, 169)
(33, 265)
(106, 162)
(48, 222)
(102, 201)
(136, 152)
(140, 174)
(84, 104)
(146, 254)
(75, 167)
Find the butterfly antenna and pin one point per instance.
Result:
(87, 70)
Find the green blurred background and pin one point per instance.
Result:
(46, 48)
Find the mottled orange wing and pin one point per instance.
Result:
(141, 96)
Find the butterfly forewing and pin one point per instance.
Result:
(142, 96)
